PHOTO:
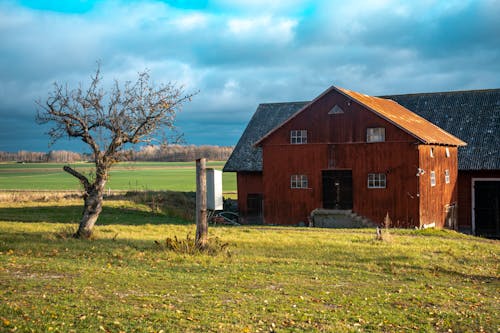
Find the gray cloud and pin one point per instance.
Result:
(238, 55)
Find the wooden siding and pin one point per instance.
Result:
(282, 204)
(248, 183)
(434, 199)
(398, 161)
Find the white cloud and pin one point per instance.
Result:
(263, 28)
(190, 22)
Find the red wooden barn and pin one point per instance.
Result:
(344, 152)
(302, 171)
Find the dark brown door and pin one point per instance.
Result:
(254, 208)
(487, 208)
(337, 189)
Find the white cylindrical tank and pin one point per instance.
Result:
(214, 189)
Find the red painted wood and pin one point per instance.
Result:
(338, 142)
(247, 183)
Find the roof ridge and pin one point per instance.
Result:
(274, 103)
(443, 92)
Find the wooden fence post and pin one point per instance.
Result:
(201, 204)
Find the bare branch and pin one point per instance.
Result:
(83, 180)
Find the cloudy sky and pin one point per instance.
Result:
(240, 53)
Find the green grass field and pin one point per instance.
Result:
(274, 279)
(174, 176)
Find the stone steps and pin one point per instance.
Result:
(339, 218)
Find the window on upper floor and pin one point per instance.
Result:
(447, 152)
(376, 134)
(298, 136)
(299, 181)
(377, 180)
(433, 178)
(447, 176)
(432, 152)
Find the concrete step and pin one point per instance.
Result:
(337, 218)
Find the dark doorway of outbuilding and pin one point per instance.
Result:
(337, 189)
(254, 208)
(487, 208)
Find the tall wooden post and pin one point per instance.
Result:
(201, 204)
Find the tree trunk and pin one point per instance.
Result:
(93, 199)
(92, 209)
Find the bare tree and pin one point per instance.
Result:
(131, 113)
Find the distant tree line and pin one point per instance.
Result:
(25, 156)
(178, 153)
(165, 153)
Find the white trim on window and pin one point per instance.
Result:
(298, 137)
(447, 176)
(375, 134)
(299, 181)
(432, 152)
(448, 152)
(377, 180)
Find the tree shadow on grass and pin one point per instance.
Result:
(72, 214)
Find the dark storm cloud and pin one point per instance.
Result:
(240, 54)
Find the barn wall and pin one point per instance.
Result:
(399, 161)
(247, 183)
(434, 199)
(283, 205)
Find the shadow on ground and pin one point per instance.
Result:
(72, 214)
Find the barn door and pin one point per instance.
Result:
(254, 208)
(337, 189)
(487, 208)
(451, 216)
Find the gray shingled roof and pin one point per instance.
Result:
(245, 156)
(473, 116)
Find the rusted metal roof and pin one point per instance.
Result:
(410, 122)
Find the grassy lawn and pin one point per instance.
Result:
(273, 279)
(136, 176)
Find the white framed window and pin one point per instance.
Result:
(299, 181)
(432, 152)
(433, 178)
(298, 136)
(447, 152)
(447, 176)
(377, 180)
(375, 134)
